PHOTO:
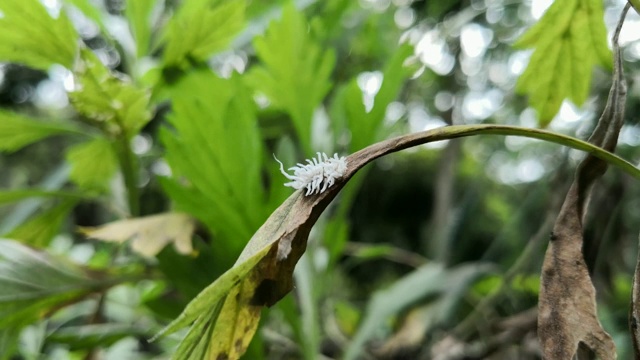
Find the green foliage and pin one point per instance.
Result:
(30, 36)
(216, 145)
(91, 336)
(39, 231)
(18, 131)
(428, 280)
(85, 170)
(207, 305)
(18, 195)
(33, 283)
(200, 28)
(295, 71)
(111, 102)
(569, 40)
(139, 15)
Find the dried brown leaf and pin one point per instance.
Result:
(567, 317)
(634, 312)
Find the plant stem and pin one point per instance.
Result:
(130, 174)
(364, 156)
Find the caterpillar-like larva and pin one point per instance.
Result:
(317, 175)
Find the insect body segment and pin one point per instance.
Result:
(317, 175)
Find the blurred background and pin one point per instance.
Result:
(431, 253)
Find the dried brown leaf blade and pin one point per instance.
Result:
(567, 318)
(634, 312)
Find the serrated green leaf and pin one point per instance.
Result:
(554, 23)
(294, 72)
(93, 163)
(139, 15)
(217, 147)
(39, 230)
(569, 40)
(30, 36)
(18, 131)
(580, 57)
(549, 88)
(34, 283)
(111, 101)
(200, 28)
(598, 33)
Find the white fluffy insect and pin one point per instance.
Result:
(317, 175)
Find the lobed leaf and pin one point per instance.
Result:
(294, 72)
(86, 170)
(569, 40)
(553, 24)
(29, 35)
(139, 15)
(200, 28)
(216, 145)
(109, 100)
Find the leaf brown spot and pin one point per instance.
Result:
(264, 294)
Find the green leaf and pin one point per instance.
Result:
(200, 28)
(92, 336)
(569, 40)
(111, 101)
(294, 72)
(39, 230)
(217, 146)
(18, 131)
(139, 15)
(30, 36)
(93, 163)
(35, 283)
(11, 196)
(9, 337)
(212, 295)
